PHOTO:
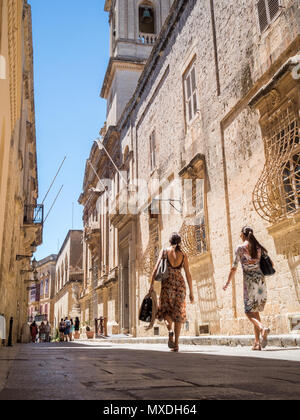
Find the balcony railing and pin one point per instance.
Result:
(33, 214)
(147, 39)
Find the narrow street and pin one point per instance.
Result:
(96, 371)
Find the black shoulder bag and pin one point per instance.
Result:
(145, 314)
(266, 265)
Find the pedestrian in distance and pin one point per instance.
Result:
(61, 329)
(67, 329)
(77, 327)
(72, 329)
(47, 332)
(33, 331)
(172, 304)
(255, 289)
(42, 333)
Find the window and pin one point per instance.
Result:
(267, 11)
(291, 183)
(190, 93)
(152, 151)
(277, 193)
(283, 146)
(195, 190)
(33, 294)
(46, 287)
(194, 231)
(42, 288)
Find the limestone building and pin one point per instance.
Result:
(207, 143)
(134, 28)
(69, 277)
(42, 292)
(21, 219)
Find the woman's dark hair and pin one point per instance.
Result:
(254, 245)
(175, 239)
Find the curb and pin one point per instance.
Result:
(282, 341)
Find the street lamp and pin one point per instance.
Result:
(33, 268)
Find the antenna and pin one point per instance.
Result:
(53, 203)
(54, 179)
(72, 216)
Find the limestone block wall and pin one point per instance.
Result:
(62, 308)
(227, 132)
(18, 178)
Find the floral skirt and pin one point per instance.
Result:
(172, 297)
(255, 291)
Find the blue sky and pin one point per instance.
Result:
(71, 51)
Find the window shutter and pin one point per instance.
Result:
(194, 89)
(262, 15)
(273, 8)
(189, 99)
(152, 150)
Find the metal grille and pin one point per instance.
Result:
(273, 8)
(152, 252)
(277, 193)
(194, 237)
(262, 15)
(193, 230)
(33, 214)
(267, 11)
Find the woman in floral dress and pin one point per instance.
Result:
(172, 305)
(255, 289)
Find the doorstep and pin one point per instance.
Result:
(288, 340)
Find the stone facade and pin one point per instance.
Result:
(106, 251)
(216, 105)
(21, 220)
(69, 277)
(42, 292)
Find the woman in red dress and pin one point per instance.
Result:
(172, 304)
(33, 331)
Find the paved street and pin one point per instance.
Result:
(105, 371)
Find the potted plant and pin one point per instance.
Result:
(89, 333)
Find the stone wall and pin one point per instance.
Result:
(227, 132)
(18, 167)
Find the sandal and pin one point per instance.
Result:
(264, 341)
(256, 347)
(171, 343)
(175, 349)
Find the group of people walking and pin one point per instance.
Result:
(172, 303)
(41, 334)
(67, 328)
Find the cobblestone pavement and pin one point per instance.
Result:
(147, 372)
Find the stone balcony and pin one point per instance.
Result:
(33, 226)
(92, 234)
(147, 39)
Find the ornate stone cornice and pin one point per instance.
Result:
(123, 64)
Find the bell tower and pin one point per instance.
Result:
(134, 28)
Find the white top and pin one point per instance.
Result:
(2, 328)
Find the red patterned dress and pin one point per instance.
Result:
(173, 293)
